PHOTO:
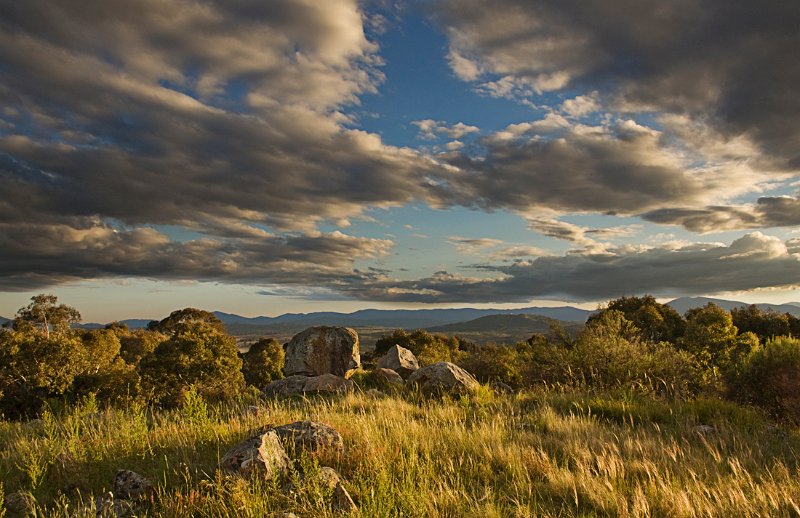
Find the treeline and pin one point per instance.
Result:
(635, 343)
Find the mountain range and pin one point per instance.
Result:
(435, 320)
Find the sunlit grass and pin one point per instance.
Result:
(545, 453)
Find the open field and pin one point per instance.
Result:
(540, 453)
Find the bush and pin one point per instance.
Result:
(770, 378)
(197, 354)
(609, 354)
(139, 343)
(263, 362)
(426, 347)
(494, 363)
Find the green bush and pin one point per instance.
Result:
(494, 363)
(263, 362)
(770, 378)
(196, 354)
(426, 347)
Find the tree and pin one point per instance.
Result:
(183, 316)
(711, 336)
(139, 343)
(766, 324)
(263, 362)
(44, 313)
(657, 322)
(197, 354)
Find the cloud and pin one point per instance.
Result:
(752, 261)
(768, 211)
(430, 129)
(473, 246)
(731, 65)
(558, 229)
(38, 255)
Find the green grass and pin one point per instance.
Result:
(542, 453)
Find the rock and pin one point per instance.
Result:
(131, 485)
(107, 505)
(400, 360)
(309, 435)
(323, 350)
(501, 388)
(263, 453)
(443, 377)
(704, 429)
(20, 503)
(375, 394)
(298, 385)
(386, 378)
(341, 500)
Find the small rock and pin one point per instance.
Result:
(704, 429)
(20, 502)
(386, 378)
(107, 505)
(131, 485)
(341, 500)
(501, 388)
(375, 394)
(323, 350)
(443, 377)
(400, 360)
(263, 454)
(309, 435)
(299, 385)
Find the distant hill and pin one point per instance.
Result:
(504, 328)
(401, 318)
(682, 305)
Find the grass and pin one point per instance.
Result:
(542, 453)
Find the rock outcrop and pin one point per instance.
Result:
(443, 377)
(262, 454)
(299, 385)
(323, 350)
(400, 360)
(309, 436)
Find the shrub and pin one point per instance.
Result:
(197, 354)
(770, 378)
(494, 363)
(426, 347)
(263, 362)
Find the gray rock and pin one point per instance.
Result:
(20, 503)
(106, 505)
(501, 388)
(400, 360)
(309, 436)
(323, 350)
(263, 454)
(341, 500)
(704, 429)
(386, 378)
(298, 385)
(443, 377)
(131, 485)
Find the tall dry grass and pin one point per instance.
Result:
(546, 453)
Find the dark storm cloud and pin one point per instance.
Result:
(753, 261)
(38, 255)
(181, 111)
(768, 211)
(731, 63)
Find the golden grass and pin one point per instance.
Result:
(547, 453)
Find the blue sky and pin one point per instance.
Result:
(262, 158)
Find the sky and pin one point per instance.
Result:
(295, 155)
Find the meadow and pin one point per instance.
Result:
(545, 452)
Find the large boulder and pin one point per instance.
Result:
(443, 377)
(263, 454)
(309, 436)
(400, 360)
(298, 385)
(323, 350)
